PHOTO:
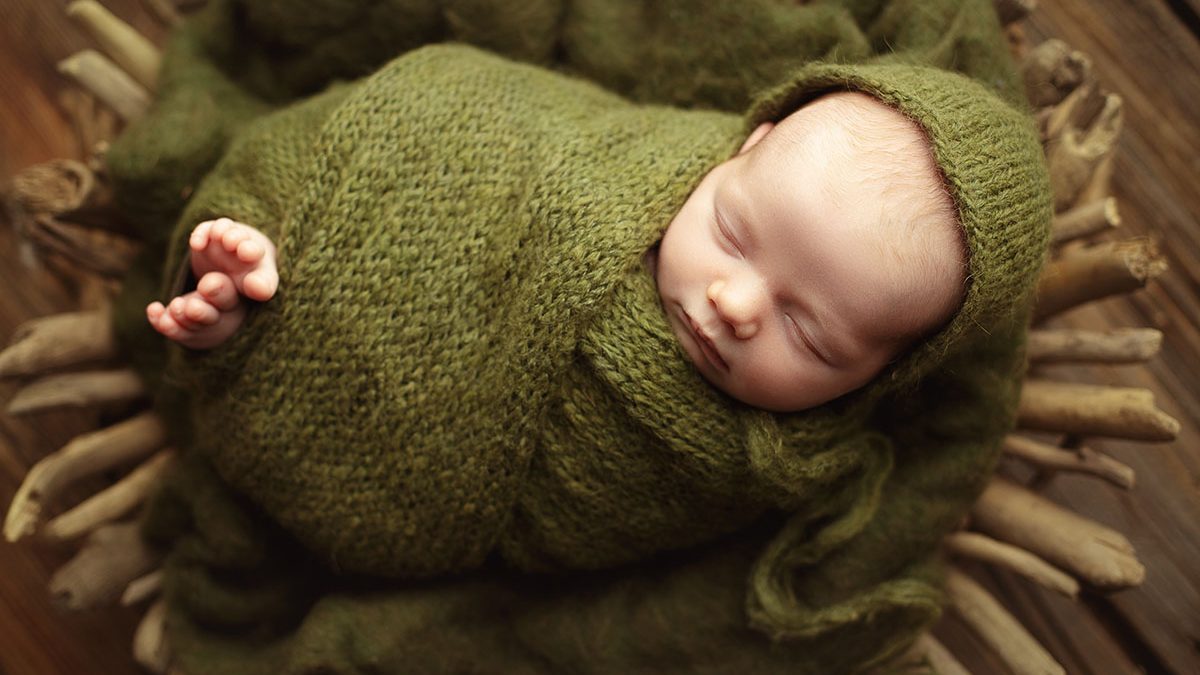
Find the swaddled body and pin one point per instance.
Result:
(441, 271)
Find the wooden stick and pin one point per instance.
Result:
(1099, 185)
(112, 557)
(1095, 553)
(1004, 634)
(119, 41)
(150, 648)
(1075, 155)
(95, 73)
(59, 341)
(1052, 70)
(113, 502)
(97, 252)
(1096, 272)
(1085, 220)
(1012, 11)
(1077, 111)
(77, 390)
(164, 11)
(1068, 345)
(70, 190)
(937, 657)
(85, 455)
(1090, 410)
(1078, 460)
(142, 588)
(979, 547)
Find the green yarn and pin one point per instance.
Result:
(420, 399)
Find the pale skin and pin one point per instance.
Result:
(782, 285)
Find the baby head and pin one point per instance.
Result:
(799, 268)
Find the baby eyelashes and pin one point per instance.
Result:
(232, 260)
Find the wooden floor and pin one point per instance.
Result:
(1145, 50)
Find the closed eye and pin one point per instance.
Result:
(804, 339)
(725, 234)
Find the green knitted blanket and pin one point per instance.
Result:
(466, 368)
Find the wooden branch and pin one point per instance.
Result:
(1085, 220)
(1052, 70)
(1077, 111)
(97, 252)
(142, 588)
(1091, 410)
(95, 73)
(1078, 460)
(77, 390)
(1099, 185)
(979, 547)
(113, 502)
(996, 627)
(59, 341)
(71, 191)
(1076, 154)
(164, 11)
(1096, 272)
(112, 557)
(85, 455)
(1097, 554)
(1012, 11)
(119, 41)
(938, 657)
(1068, 345)
(150, 648)
(95, 125)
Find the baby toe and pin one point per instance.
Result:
(260, 284)
(199, 238)
(177, 311)
(233, 238)
(250, 251)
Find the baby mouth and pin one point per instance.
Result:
(706, 345)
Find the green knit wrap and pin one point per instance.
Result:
(466, 356)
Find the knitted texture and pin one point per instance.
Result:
(465, 355)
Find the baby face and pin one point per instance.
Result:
(789, 275)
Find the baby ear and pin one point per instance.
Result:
(756, 136)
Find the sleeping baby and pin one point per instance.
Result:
(791, 275)
(467, 307)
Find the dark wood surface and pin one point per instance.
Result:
(1147, 51)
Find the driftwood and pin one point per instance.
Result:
(86, 455)
(77, 390)
(1075, 155)
(1097, 554)
(124, 45)
(96, 252)
(1051, 71)
(1012, 11)
(1091, 410)
(100, 76)
(95, 125)
(1067, 345)
(985, 549)
(111, 503)
(996, 627)
(150, 648)
(1077, 460)
(1085, 220)
(143, 588)
(70, 191)
(111, 558)
(71, 340)
(1096, 272)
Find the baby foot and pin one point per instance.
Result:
(238, 250)
(203, 318)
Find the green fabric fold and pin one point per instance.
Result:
(541, 416)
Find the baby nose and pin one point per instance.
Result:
(737, 305)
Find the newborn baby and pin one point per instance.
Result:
(794, 272)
